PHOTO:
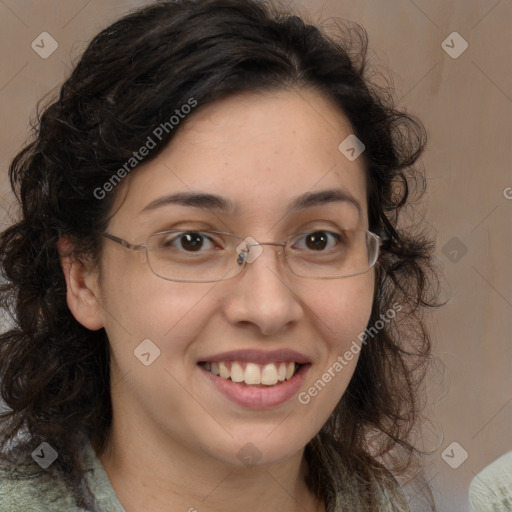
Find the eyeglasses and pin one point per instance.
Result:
(211, 256)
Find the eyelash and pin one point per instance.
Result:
(338, 237)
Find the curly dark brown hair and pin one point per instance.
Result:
(133, 75)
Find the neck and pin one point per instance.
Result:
(148, 471)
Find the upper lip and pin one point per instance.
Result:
(258, 356)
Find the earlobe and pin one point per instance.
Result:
(82, 292)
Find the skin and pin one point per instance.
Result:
(175, 438)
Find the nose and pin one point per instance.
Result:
(262, 296)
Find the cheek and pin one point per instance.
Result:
(342, 312)
(141, 305)
(344, 308)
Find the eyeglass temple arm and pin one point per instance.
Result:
(124, 243)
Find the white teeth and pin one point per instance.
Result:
(253, 374)
(223, 371)
(237, 372)
(269, 375)
(289, 370)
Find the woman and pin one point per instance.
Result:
(213, 305)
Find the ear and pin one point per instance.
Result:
(82, 287)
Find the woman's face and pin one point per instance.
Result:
(260, 152)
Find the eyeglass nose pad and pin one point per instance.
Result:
(248, 250)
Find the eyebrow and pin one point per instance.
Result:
(222, 204)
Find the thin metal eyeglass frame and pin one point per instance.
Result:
(144, 246)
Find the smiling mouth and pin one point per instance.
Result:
(252, 374)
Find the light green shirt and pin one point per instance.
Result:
(29, 488)
(491, 489)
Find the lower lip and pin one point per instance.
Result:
(258, 397)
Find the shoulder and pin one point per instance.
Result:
(27, 487)
(491, 489)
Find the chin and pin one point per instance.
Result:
(264, 447)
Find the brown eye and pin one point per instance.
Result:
(316, 241)
(190, 241)
(320, 240)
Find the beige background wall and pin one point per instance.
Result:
(466, 104)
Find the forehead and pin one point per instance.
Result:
(259, 150)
